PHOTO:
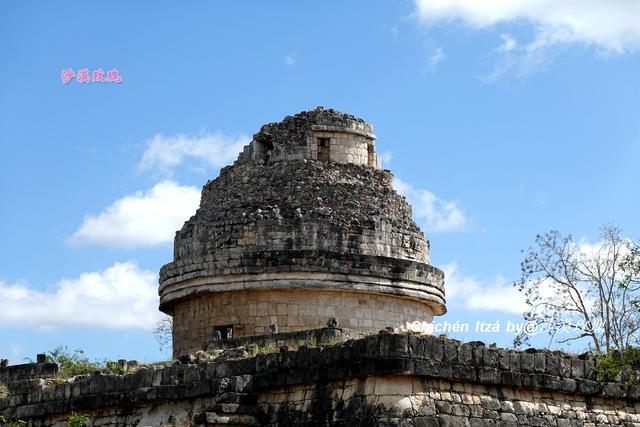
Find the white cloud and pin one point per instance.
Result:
(611, 26)
(163, 153)
(148, 218)
(432, 212)
(289, 59)
(122, 296)
(436, 58)
(479, 295)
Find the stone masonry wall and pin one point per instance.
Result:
(27, 371)
(381, 380)
(294, 138)
(345, 148)
(404, 400)
(294, 130)
(253, 312)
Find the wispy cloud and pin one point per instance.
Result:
(509, 43)
(147, 218)
(436, 57)
(610, 26)
(122, 296)
(433, 213)
(521, 60)
(482, 295)
(541, 199)
(289, 59)
(164, 153)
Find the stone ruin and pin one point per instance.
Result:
(302, 294)
(305, 226)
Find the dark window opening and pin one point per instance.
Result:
(263, 147)
(371, 158)
(224, 332)
(324, 149)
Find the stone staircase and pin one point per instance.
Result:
(234, 408)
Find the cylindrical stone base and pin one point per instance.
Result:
(252, 312)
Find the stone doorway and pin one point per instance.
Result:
(324, 149)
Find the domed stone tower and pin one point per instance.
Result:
(303, 227)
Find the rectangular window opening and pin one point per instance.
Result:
(223, 332)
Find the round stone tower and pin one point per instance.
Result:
(303, 227)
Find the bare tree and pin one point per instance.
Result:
(577, 290)
(162, 331)
(631, 267)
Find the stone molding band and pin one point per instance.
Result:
(325, 128)
(304, 261)
(174, 291)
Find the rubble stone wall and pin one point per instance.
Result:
(302, 205)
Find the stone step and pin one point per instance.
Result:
(215, 419)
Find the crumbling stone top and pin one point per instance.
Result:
(294, 129)
(344, 195)
(318, 134)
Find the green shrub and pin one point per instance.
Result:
(613, 363)
(13, 422)
(114, 367)
(71, 363)
(77, 420)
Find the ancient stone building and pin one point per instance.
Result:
(304, 227)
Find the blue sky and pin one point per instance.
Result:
(499, 122)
